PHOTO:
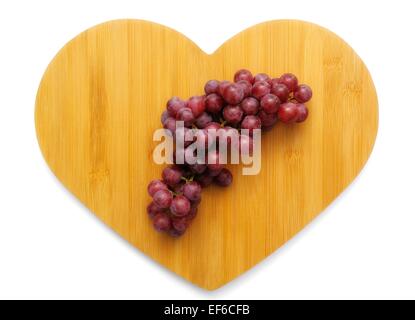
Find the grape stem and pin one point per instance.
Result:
(188, 179)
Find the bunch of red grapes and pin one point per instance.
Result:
(249, 102)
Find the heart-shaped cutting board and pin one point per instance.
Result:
(101, 99)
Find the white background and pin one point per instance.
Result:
(362, 246)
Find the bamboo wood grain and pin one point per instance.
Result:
(101, 99)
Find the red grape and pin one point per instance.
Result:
(187, 173)
(214, 172)
(190, 153)
(246, 86)
(192, 191)
(184, 134)
(178, 188)
(212, 86)
(228, 134)
(170, 125)
(290, 81)
(174, 233)
(243, 74)
(246, 145)
(203, 120)
(192, 214)
(164, 116)
(162, 222)
(198, 168)
(281, 91)
(270, 103)
(233, 94)
(185, 115)
(250, 123)
(174, 105)
(267, 119)
(154, 186)
(222, 86)
(302, 112)
(233, 114)
(179, 155)
(153, 209)
(195, 203)
(261, 77)
(260, 89)
(265, 129)
(213, 161)
(224, 178)
(214, 103)
(303, 93)
(203, 139)
(274, 81)
(197, 105)
(180, 206)
(250, 106)
(180, 224)
(163, 198)
(172, 175)
(189, 135)
(212, 126)
(205, 179)
(288, 112)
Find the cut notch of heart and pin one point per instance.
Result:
(100, 100)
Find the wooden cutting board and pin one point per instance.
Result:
(100, 101)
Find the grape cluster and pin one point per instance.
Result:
(249, 102)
